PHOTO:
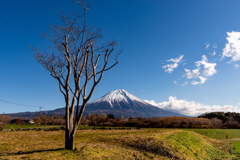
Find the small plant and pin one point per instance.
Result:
(12, 128)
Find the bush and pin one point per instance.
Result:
(4, 121)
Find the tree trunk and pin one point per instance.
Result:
(69, 140)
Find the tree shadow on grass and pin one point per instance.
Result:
(30, 152)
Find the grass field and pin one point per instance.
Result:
(118, 144)
(218, 133)
(15, 126)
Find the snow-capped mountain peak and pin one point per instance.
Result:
(121, 102)
(118, 96)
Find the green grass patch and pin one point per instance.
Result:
(237, 147)
(194, 146)
(82, 127)
(218, 133)
(15, 126)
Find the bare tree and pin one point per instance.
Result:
(37, 121)
(44, 119)
(4, 121)
(19, 121)
(77, 61)
(57, 120)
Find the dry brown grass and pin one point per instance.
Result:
(49, 145)
(98, 144)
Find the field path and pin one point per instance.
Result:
(235, 139)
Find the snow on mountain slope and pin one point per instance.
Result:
(117, 96)
(121, 102)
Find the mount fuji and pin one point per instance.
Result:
(118, 103)
(121, 102)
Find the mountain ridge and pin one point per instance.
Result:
(117, 102)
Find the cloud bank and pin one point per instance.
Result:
(192, 108)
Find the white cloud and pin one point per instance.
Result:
(192, 108)
(175, 82)
(208, 70)
(207, 45)
(214, 45)
(192, 74)
(202, 81)
(152, 102)
(236, 66)
(232, 48)
(184, 84)
(170, 67)
(214, 53)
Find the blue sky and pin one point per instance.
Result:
(150, 32)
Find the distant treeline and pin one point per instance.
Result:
(207, 120)
(228, 119)
(220, 120)
(166, 122)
